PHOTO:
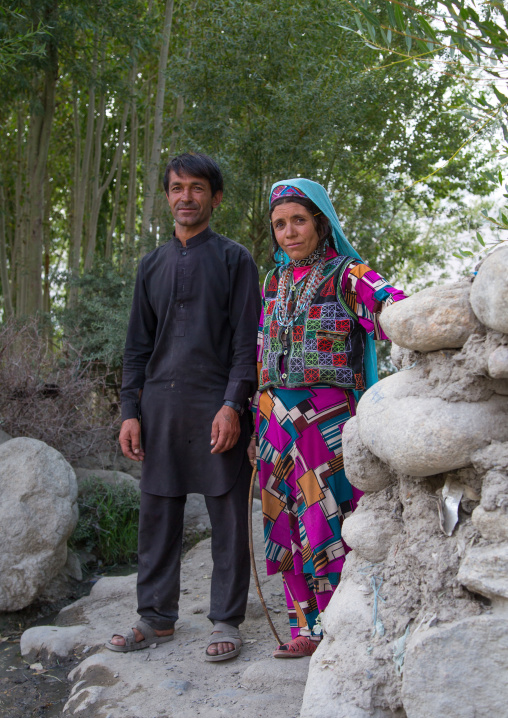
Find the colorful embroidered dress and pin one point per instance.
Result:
(304, 490)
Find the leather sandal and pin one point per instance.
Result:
(149, 638)
(299, 647)
(224, 633)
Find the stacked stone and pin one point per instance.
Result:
(419, 624)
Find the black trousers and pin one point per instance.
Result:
(160, 547)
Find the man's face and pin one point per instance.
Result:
(190, 200)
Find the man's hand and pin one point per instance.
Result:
(225, 430)
(130, 440)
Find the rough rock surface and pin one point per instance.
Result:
(437, 658)
(419, 434)
(483, 570)
(489, 294)
(435, 318)
(363, 469)
(418, 626)
(498, 363)
(173, 681)
(38, 506)
(354, 668)
(371, 528)
(493, 525)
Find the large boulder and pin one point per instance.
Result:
(423, 435)
(435, 318)
(489, 294)
(38, 512)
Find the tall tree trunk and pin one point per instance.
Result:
(40, 131)
(108, 251)
(81, 178)
(46, 293)
(98, 191)
(4, 271)
(152, 171)
(130, 213)
(93, 187)
(19, 211)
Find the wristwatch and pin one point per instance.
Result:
(233, 405)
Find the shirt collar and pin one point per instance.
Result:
(196, 240)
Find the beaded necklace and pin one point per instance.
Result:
(291, 301)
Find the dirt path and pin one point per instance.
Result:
(173, 680)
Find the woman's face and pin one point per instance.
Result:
(294, 229)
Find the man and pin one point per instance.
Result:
(189, 368)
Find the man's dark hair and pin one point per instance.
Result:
(195, 165)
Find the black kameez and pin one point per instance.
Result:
(191, 345)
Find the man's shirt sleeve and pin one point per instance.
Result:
(244, 311)
(138, 348)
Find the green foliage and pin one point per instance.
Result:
(97, 325)
(108, 522)
(455, 39)
(341, 92)
(294, 96)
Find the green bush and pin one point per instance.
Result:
(97, 324)
(108, 522)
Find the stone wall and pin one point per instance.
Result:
(419, 624)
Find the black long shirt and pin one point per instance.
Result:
(191, 345)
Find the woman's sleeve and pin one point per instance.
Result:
(367, 294)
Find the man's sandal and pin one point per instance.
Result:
(299, 647)
(149, 638)
(224, 633)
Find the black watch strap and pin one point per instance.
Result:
(233, 405)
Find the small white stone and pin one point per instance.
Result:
(370, 533)
(493, 525)
(363, 470)
(498, 362)
(483, 570)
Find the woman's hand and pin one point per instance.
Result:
(251, 451)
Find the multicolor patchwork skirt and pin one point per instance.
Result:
(304, 491)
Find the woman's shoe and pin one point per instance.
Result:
(299, 647)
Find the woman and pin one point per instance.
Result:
(321, 306)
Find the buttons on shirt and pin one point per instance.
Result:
(183, 254)
(181, 305)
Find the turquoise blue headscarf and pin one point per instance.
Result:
(317, 194)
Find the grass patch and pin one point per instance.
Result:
(108, 522)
